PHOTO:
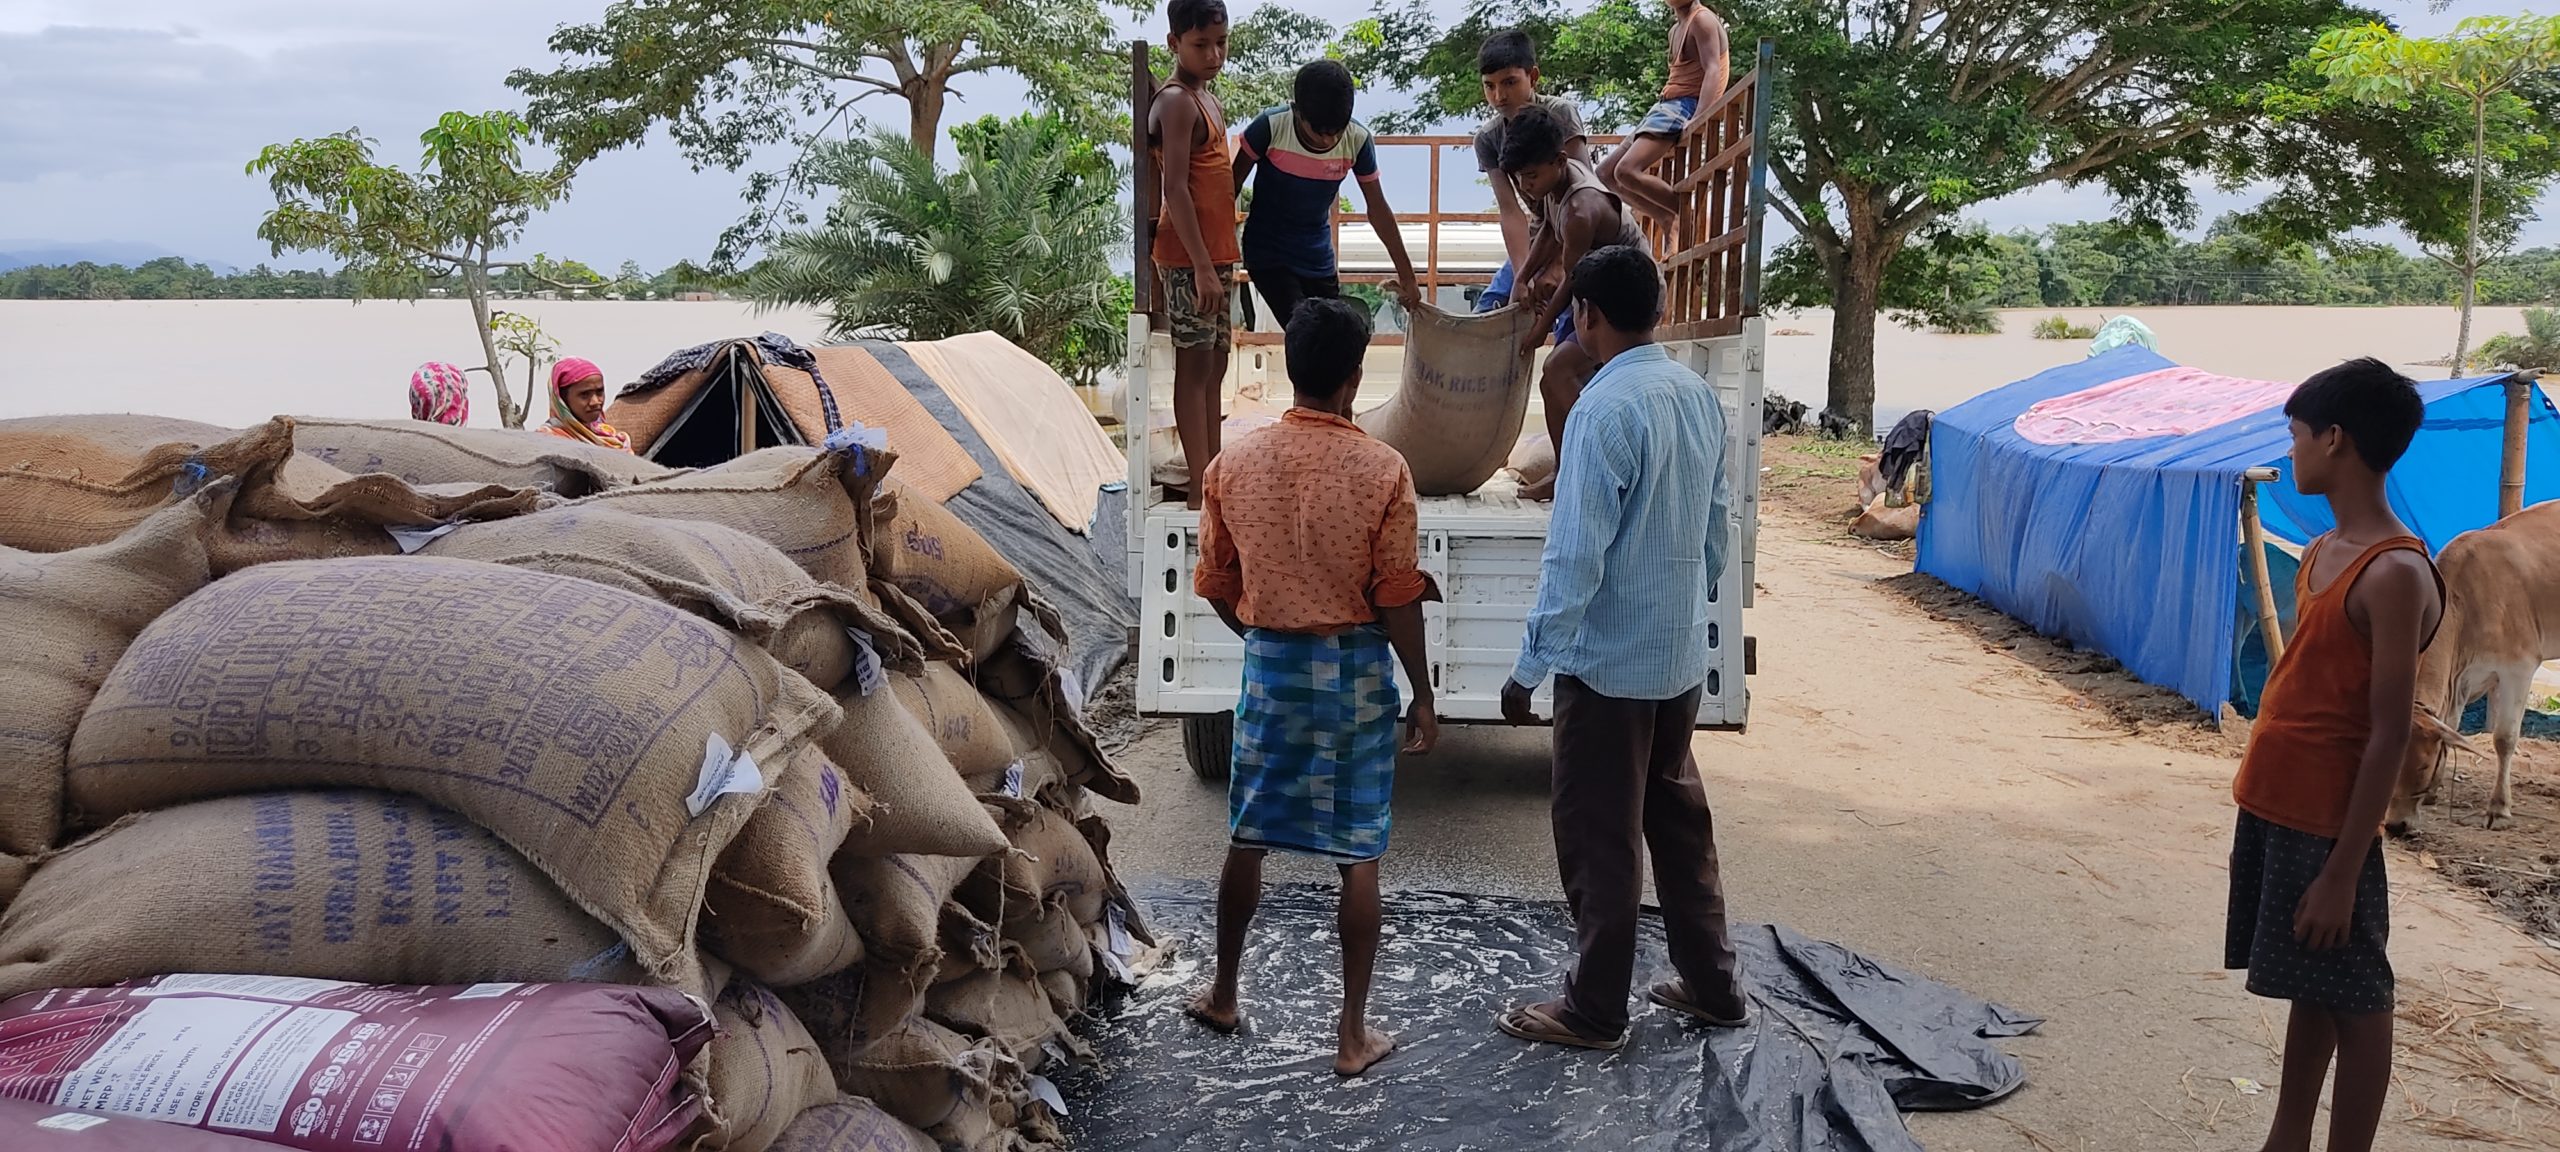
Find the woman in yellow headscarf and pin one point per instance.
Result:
(577, 406)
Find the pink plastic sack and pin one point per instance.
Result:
(334, 1067)
(26, 1126)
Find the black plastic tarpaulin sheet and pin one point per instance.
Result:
(1839, 1044)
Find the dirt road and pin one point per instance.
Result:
(1924, 795)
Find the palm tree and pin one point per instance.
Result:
(1018, 239)
(2538, 350)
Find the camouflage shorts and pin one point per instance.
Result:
(1193, 328)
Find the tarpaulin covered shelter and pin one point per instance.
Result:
(1008, 461)
(2127, 541)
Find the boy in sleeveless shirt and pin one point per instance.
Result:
(2309, 914)
(1578, 216)
(1699, 47)
(1195, 250)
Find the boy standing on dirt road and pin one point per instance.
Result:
(1699, 68)
(1195, 251)
(1633, 552)
(1309, 550)
(2310, 913)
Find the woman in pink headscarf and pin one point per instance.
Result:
(441, 393)
(577, 406)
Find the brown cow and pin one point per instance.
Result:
(2501, 621)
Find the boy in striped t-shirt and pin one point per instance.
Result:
(1296, 155)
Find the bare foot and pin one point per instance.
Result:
(1222, 1018)
(1362, 1052)
(1542, 490)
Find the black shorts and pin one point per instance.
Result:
(2271, 867)
(1283, 290)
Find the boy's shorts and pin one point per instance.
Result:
(2271, 867)
(1193, 328)
(1497, 293)
(1564, 333)
(1668, 118)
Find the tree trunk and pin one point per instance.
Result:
(1855, 288)
(2471, 235)
(924, 113)
(475, 284)
(2511, 461)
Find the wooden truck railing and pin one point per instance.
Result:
(1710, 255)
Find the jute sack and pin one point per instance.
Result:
(924, 807)
(1465, 392)
(765, 1070)
(1881, 522)
(1066, 992)
(604, 735)
(424, 452)
(14, 871)
(851, 1010)
(714, 571)
(1052, 942)
(813, 504)
(1008, 1008)
(1036, 689)
(71, 481)
(896, 901)
(1052, 871)
(69, 617)
(941, 698)
(948, 567)
(772, 908)
(303, 509)
(852, 1124)
(1534, 458)
(927, 1075)
(337, 884)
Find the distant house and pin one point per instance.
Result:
(697, 297)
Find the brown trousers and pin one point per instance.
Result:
(1625, 782)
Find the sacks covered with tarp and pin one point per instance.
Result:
(618, 743)
(336, 884)
(1465, 392)
(425, 452)
(70, 616)
(1028, 415)
(946, 566)
(336, 1067)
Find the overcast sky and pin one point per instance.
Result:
(131, 120)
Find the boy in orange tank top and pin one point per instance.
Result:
(1195, 250)
(2310, 914)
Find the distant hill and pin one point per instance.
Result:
(23, 253)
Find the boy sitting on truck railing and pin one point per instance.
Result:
(1577, 215)
(1309, 550)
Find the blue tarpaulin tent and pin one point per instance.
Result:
(2133, 548)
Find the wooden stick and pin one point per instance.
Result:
(2511, 458)
(2270, 627)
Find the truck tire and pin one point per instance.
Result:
(1209, 743)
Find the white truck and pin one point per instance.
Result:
(1484, 547)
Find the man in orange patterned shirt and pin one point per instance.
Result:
(1308, 549)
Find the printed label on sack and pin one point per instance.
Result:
(1013, 779)
(1118, 947)
(1047, 1093)
(866, 663)
(194, 1060)
(71, 1122)
(286, 989)
(412, 539)
(724, 772)
(485, 991)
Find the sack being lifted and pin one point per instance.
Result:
(1464, 396)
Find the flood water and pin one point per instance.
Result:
(238, 362)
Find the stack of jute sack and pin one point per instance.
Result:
(502, 710)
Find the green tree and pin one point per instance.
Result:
(1890, 119)
(1006, 241)
(399, 231)
(2537, 350)
(728, 78)
(2480, 65)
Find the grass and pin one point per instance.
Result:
(2061, 328)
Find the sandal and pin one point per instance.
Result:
(1532, 1022)
(1670, 994)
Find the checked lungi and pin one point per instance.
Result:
(1315, 749)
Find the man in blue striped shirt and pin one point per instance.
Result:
(1633, 552)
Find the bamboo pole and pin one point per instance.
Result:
(2270, 626)
(2511, 462)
